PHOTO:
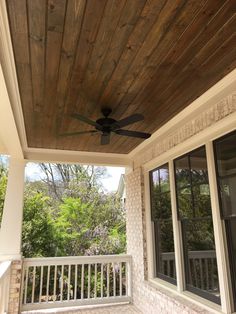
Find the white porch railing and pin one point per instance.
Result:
(68, 281)
(5, 272)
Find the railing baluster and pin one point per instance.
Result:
(126, 279)
(201, 274)
(61, 283)
(33, 285)
(120, 278)
(95, 280)
(89, 277)
(212, 275)
(68, 284)
(75, 289)
(108, 280)
(26, 284)
(206, 274)
(102, 280)
(195, 273)
(41, 284)
(114, 279)
(55, 284)
(82, 282)
(48, 278)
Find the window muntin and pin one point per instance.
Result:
(194, 213)
(225, 157)
(162, 224)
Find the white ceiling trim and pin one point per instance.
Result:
(8, 131)
(9, 72)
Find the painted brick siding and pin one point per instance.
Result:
(147, 298)
(209, 116)
(15, 283)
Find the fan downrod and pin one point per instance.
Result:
(106, 111)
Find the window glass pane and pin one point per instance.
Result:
(184, 200)
(162, 222)
(155, 178)
(194, 209)
(165, 247)
(155, 195)
(165, 205)
(164, 179)
(202, 201)
(225, 149)
(182, 172)
(200, 258)
(198, 166)
(228, 196)
(225, 157)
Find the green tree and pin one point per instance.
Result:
(38, 234)
(88, 228)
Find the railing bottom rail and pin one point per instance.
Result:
(75, 281)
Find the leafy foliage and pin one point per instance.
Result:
(67, 213)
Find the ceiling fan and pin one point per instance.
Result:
(107, 125)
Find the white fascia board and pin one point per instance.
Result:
(212, 96)
(9, 71)
(8, 131)
(86, 158)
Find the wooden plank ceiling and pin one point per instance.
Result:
(135, 56)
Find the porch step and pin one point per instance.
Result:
(107, 309)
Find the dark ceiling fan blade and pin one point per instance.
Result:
(133, 133)
(79, 133)
(86, 120)
(128, 120)
(105, 139)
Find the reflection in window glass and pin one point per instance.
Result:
(194, 212)
(162, 222)
(225, 156)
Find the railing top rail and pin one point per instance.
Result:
(192, 254)
(71, 260)
(4, 266)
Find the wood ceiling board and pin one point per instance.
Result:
(154, 57)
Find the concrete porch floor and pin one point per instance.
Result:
(109, 309)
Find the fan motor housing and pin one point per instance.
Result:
(106, 124)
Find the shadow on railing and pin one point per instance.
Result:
(202, 269)
(68, 281)
(5, 273)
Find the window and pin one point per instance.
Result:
(162, 224)
(194, 213)
(225, 156)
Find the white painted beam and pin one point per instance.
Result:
(11, 226)
(8, 131)
(86, 158)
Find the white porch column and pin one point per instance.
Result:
(11, 226)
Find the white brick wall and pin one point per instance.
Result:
(203, 120)
(15, 283)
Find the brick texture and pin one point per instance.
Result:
(146, 297)
(204, 119)
(15, 283)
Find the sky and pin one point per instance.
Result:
(110, 183)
